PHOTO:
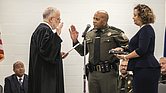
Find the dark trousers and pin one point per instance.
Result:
(145, 80)
(99, 82)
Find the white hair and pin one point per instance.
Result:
(49, 12)
(163, 58)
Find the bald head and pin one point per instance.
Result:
(18, 62)
(103, 14)
(100, 19)
(18, 68)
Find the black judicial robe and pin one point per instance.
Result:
(45, 62)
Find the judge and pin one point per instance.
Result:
(45, 62)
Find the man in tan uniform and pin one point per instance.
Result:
(102, 65)
(125, 79)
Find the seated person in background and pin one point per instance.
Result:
(162, 62)
(125, 79)
(18, 82)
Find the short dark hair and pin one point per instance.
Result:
(145, 13)
(16, 63)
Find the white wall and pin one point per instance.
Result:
(19, 18)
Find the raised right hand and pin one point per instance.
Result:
(73, 33)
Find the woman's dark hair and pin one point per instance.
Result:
(145, 13)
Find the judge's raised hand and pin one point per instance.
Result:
(58, 28)
(73, 33)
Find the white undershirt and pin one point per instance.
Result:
(22, 78)
(54, 31)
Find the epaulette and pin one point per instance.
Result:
(114, 28)
(130, 75)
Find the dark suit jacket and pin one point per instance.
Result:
(143, 43)
(13, 86)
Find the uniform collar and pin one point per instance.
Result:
(103, 29)
(125, 76)
(163, 76)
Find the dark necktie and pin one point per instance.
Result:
(20, 81)
(97, 47)
(123, 83)
(123, 86)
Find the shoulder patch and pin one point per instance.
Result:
(120, 31)
(124, 36)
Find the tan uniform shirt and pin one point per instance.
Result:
(162, 79)
(128, 87)
(110, 38)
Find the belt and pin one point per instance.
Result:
(99, 67)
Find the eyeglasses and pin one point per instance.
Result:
(59, 19)
(123, 65)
